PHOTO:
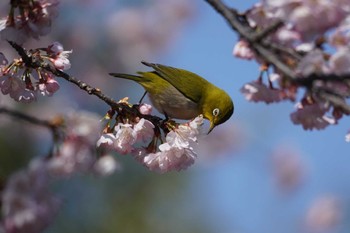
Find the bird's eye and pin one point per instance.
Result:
(216, 112)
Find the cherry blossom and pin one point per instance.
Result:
(257, 91)
(177, 153)
(145, 109)
(48, 86)
(288, 169)
(125, 138)
(27, 204)
(34, 19)
(312, 115)
(313, 63)
(105, 165)
(340, 61)
(17, 80)
(170, 158)
(242, 50)
(324, 213)
(77, 151)
(144, 130)
(16, 88)
(58, 56)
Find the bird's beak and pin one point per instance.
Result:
(212, 126)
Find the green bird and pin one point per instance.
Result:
(181, 94)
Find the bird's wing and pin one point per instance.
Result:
(181, 79)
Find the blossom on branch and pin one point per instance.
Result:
(257, 91)
(177, 153)
(27, 204)
(17, 80)
(124, 136)
(33, 19)
(76, 152)
(312, 115)
(242, 50)
(313, 63)
(58, 56)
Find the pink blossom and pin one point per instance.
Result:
(287, 36)
(288, 168)
(34, 21)
(58, 56)
(77, 152)
(74, 155)
(340, 61)
(305, 47)
(324, 213)
(16, 88)
(258, 92)
(312, 115)
(145, 109)
(177, 153)
(170, 158)
(61, 62)
(313, 63)
(27, 204)
(258, 16)
(144, 130)
(48, 87)
(84, 125)
(340, 37)
(105, 165)
(309, 18)
(55, 48)
(125, 138)
(106, 140)
(242, 50)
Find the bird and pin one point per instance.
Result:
(181, 94)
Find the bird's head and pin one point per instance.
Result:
(217, 107)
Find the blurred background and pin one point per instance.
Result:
(257, 173)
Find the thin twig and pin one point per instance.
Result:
(30, 119)
(335, 100)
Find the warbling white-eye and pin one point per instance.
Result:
(181, 94)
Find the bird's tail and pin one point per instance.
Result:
(126, 76)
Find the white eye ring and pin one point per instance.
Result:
(216, 112)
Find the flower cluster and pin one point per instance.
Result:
(34, 19)
(77, 152)
(124, 136)
(23, 83)
(27, 204)
(306, 27)
(176, 153)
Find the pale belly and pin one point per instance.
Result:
(175, 105)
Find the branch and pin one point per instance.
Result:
(119, 107)
(270, 52)
(54, 125)
(257, 43)
(335, 100)
(258, 36)
(308, 80)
